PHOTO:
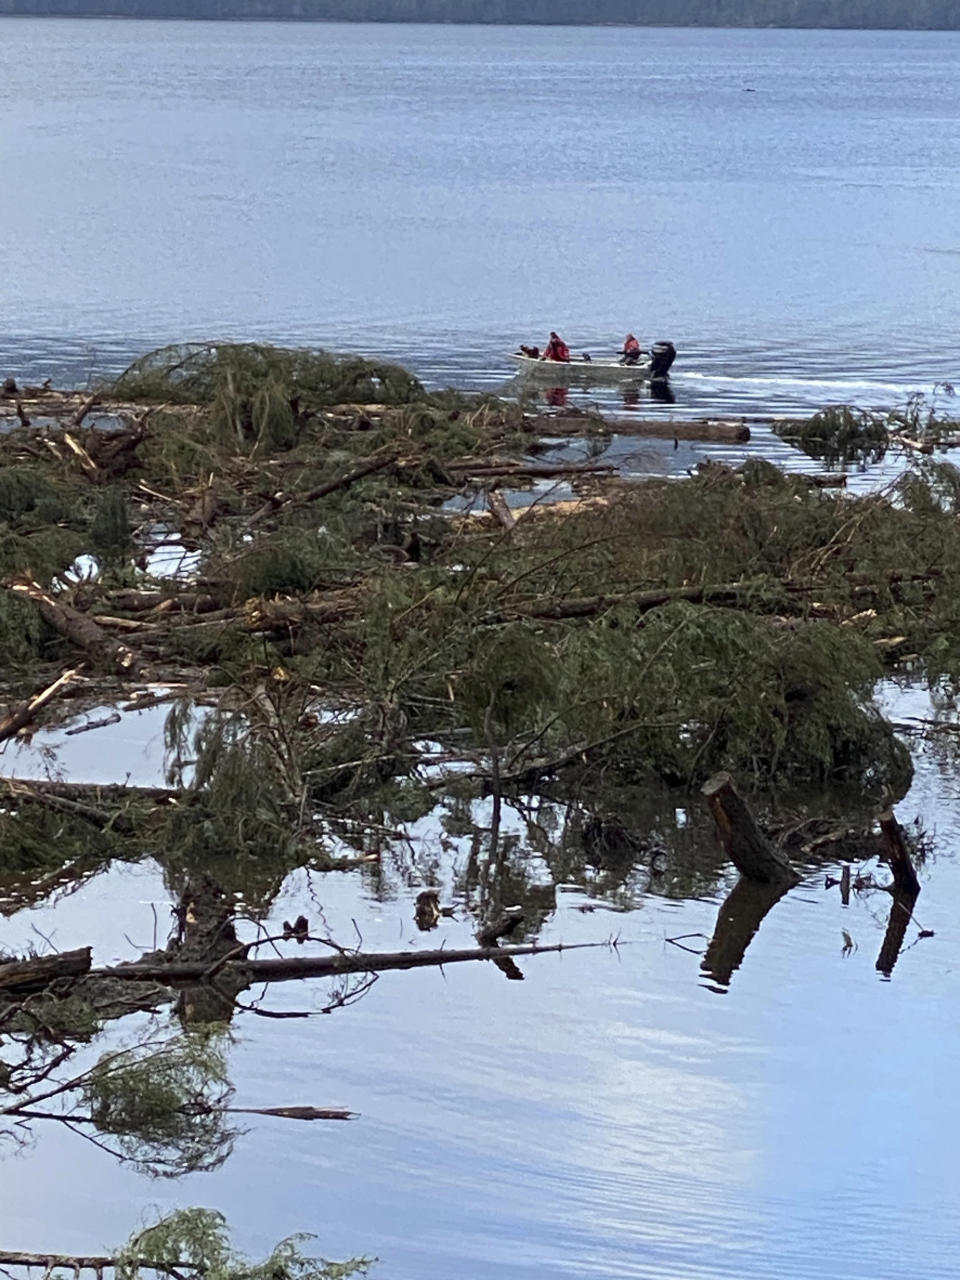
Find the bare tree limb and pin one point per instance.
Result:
(289, 969)
(23, 715)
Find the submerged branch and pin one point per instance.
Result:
(285, 970)
(77, 1262)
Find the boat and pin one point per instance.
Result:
(652, 366)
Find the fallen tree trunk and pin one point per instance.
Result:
(78, 628)
(26, 1112)
(20, 977)
(642, 601)
(99, 818)
(294, 968)
(128, 601)
(369, 466)
(85, 408)
(468, 468)
(735, 432)
(741, 840)
(111, 793)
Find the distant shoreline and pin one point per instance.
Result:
(806, 15)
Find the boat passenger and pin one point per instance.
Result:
(556, 349)
(631, 350)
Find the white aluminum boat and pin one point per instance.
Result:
(652, 366)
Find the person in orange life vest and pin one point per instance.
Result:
(631, 350)
(556, 349)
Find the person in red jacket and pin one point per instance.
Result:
(556, 349)
(631, 350)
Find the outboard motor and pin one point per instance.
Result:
(662, 356)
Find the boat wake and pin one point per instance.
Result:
(839, 387)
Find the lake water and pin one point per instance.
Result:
(619, 1113)
(786, 207)
(783, 205)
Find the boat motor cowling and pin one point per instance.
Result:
(662, 356)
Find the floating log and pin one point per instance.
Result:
(710, 429)
(720, 430)
(296, 968)
(295, 1113)
(20, 977)
(468, 468)
(741, 840)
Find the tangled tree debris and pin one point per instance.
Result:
(357, 603)
(361, 599)
(190, 1243)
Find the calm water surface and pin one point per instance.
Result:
(786, 207)
(615, 1114)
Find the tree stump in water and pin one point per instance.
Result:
(741, 840)
(897, 857)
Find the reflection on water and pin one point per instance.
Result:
(740, 916)
(633, 396)
(605, 1116)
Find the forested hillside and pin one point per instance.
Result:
(905, 14)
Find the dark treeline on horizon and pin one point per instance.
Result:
(943, 15)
